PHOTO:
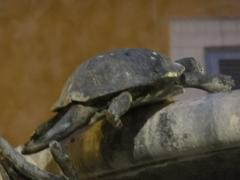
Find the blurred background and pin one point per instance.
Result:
(42, 42)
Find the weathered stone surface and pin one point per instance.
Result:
(197, 125)
(201, 137)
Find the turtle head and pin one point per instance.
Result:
(173, 71)
(191, 65)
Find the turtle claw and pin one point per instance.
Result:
(118, 123)
(226, 81)
(221, 83)
(32, 146)
(211, 84)
(114, 120)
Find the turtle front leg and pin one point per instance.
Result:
(194, 77)
(211, 84)
(118, 107)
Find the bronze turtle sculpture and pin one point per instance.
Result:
(115, 82)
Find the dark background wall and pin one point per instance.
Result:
(41, 42)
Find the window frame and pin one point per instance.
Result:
(213, 55)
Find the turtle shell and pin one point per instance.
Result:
(113, 72)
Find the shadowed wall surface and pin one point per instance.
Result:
(41, 43)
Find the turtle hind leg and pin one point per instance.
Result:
(76, 117)
(191, 65)
(47, 125)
